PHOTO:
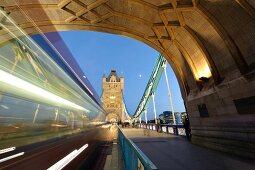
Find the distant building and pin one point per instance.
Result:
(112, 96)
(167, 118)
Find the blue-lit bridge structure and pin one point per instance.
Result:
(52, 118)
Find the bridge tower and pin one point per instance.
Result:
(112, 96)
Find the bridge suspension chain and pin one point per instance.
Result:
(151, 87)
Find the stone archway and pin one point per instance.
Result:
(112, 117)
(209, 44)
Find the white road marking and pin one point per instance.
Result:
(67, 159)
(11, 157)
(7, 150)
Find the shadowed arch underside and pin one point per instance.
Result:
(210, 45)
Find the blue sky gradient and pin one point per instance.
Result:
(98, 53)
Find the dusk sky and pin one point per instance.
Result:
(98, 53)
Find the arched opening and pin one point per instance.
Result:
(99, 53)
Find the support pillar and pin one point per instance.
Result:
(154, 106)
(145, 114)
(169, 95)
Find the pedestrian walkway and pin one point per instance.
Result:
(174, 152)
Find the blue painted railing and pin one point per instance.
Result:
(133, 157)
(178, 130)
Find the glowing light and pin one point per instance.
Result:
(67, 159)
(37, 91)
(203, 70)
(206, 71)
(58, 125)
(112, 97)
(106, 126)
(7, 150)
(11, 157)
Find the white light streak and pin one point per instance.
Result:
(5, 107)
(38, 47)
(11, 157)
(37, 91)
(67, 159)
(7, 150)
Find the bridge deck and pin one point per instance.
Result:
(171, 152)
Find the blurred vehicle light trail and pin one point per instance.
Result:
(7, 150)
(64, 161)
(11, 157)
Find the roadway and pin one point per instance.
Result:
(43, 155)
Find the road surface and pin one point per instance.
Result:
(43, 155)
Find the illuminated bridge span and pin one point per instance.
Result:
(150, 90)
(51, 116)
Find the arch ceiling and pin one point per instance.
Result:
(197, 37)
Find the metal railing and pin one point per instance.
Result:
(178, 130)
(133, 157)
